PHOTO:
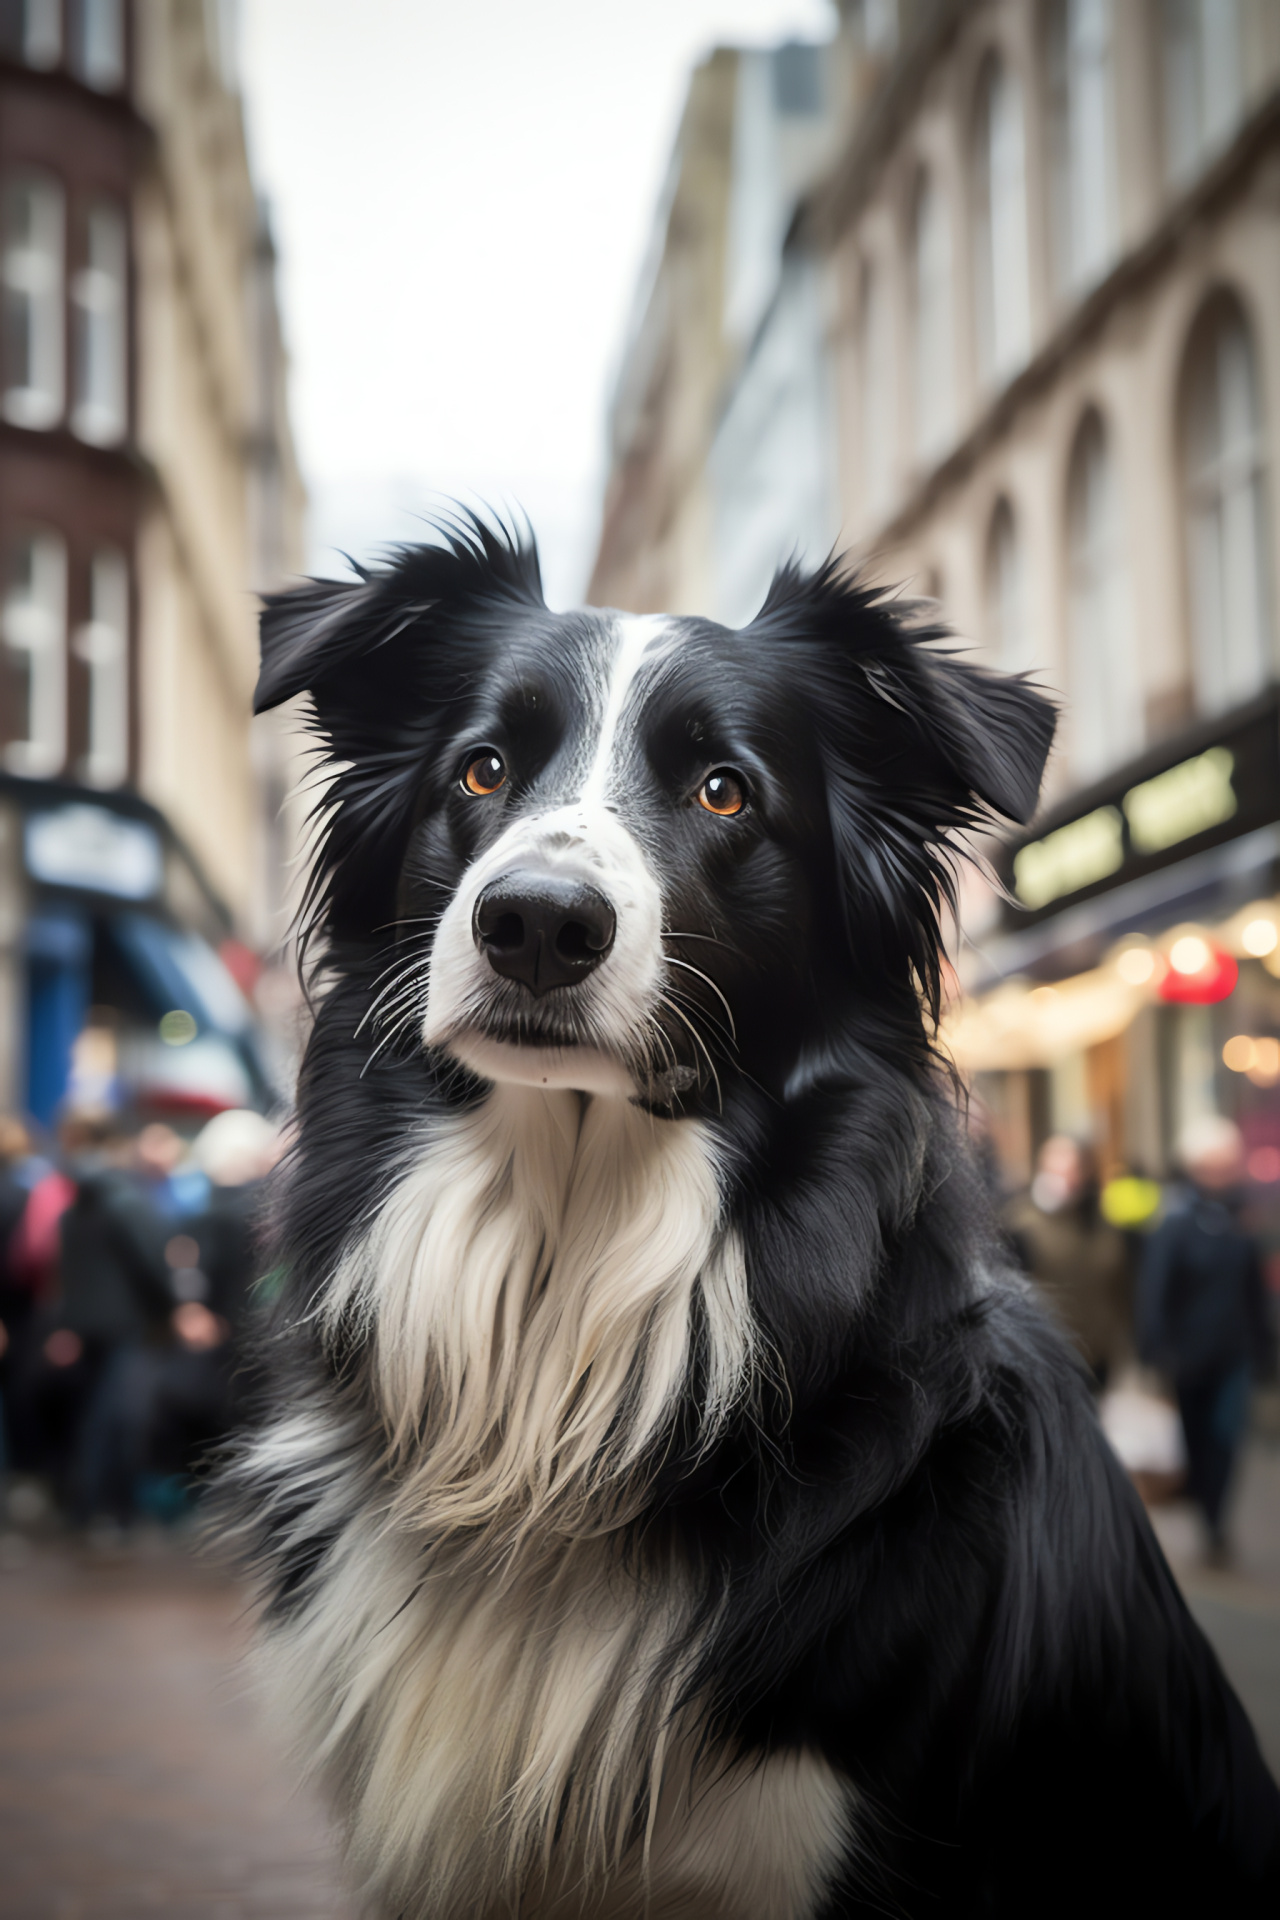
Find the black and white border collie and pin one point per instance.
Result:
(667, 1502)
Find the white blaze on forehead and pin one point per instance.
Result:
(586, 839)
(637, 635)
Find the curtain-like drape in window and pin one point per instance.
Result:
(33, 624)
(34, 336)
(1227, 547)
(99, 292)
(878, 378)
(1203, 80)
(934, 321)
(1003, 288)
(1106, 720)
(103, 644)
(1008, 636)
(1083, 140)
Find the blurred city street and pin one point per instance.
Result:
(135, 1775)
(981, 295)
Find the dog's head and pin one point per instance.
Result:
(631, 855)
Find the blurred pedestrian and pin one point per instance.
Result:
(116, 1301)
(51, 1375)
(212, 1265)
(1079, 1263)
(1202, 1313)
(17, 1300)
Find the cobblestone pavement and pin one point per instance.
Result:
(136, 1778)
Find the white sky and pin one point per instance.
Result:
(462, 192)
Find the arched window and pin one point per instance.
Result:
(1203, 81)
(1004, 300)
(1224, 455)
(934, 392)
(1106, 723)
(33, 623)
(1083, 170)
(878, 373)
(1007, 629)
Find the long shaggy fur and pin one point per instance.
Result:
(665, 1501)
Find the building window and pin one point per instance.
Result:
(878, 373)
(1007, 630)
(103, 644)
(1083, 169)
(1224, 455)
(934, 314)
(1105, 718)
(33, 32)
(34, 349)
(34, 626)
(1004, 296)
(99, 44)
(1203, 81)
(99, 414)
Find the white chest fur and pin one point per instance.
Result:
(489, 1687)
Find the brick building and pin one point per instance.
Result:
(147, 486)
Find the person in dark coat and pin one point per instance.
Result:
(1202, 1314)
(117, 1300)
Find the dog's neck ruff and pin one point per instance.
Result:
(536, 1290)
(489, 1669)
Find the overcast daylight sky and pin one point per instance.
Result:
(462, 195)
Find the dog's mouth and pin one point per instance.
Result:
(540, 1052)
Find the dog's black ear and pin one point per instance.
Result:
(313, 634)
(918, 747)
(993, 730)
(385, 659)
(308, 631)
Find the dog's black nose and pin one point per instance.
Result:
(543, 929)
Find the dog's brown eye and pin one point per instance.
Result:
(485, 774)
(721, 792)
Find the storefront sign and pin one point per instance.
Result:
(1187, 800)
(1070, 858)
(1156, 811)
(93, 849)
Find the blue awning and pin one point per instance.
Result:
(180, 970)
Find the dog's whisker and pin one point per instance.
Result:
(672, 1007)
(671, 961)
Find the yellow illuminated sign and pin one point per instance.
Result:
(1189, 799)
(1069, 858)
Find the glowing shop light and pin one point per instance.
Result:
(1135, 965)
(1263, 1164)
(1240, 1052)
(1200, 974)
(1259, 937)
(1190, 954)
(1265, 1070)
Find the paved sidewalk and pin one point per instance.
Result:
(1240, 1609)
(135, 1778)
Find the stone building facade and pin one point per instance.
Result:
(148, 487)
(1045, 308)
